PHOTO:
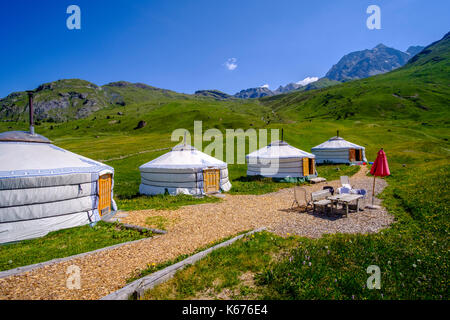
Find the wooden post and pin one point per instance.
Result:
(31, 109)
(373, 190)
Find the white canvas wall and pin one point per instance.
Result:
(277, 160)
(336, 150)
(44, 188)
(180, 171)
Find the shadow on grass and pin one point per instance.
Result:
(160, 201)
(253, 179)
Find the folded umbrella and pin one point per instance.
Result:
(380, 168)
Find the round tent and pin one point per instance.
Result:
(338, 150)
(282, 161)
(45, 188)
(184, 170)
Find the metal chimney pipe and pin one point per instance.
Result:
(30, 104)
(282, 134)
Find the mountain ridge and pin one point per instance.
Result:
(417, 91)
(369, 62)
(67, 99)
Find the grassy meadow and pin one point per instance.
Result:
(64, 243)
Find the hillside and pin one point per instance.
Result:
(70, 99)
(319, 84)
(215, 94)
(56, 101)
(124, 92)
(418, 91)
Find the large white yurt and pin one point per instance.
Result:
(279, 160)
(338, 150)
(184, 170)
(45, 188)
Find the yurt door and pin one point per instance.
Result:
(211, 180)
(312, 169)
(305, 167)
(104, 193)
(358, 155)
(351, 155)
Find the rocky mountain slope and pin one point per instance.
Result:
(366, 63)
(69, 99)
(251, 93)
(57, 101)
(215, 94)
(413, 50)
(291, 87)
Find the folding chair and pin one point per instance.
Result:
(300, 198)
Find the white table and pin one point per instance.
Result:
(345, 199)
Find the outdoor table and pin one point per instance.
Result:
(345, 199)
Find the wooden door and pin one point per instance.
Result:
(351, 155)
(104, 194)
(211, 180)
(305, 167)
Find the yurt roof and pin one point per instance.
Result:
(279, 150)
(184, 156)
(23, 136)
(337, 143)
(20, 158)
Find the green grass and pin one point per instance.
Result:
(65, 243)
(158, 222)
(413, 254)
(153, 267)
(223, 268)
(162, 202)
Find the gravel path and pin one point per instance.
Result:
(189, 228)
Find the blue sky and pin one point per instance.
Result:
(184, 45)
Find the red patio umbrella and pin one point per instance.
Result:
(380, 168)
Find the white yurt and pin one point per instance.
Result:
(184, 170)
(338, 150)
(281, 161)
(45, 188)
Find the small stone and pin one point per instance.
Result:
(141, 124)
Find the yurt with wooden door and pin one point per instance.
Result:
(338, 150)
(184, 170)
(281, 161)
(45, 188)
